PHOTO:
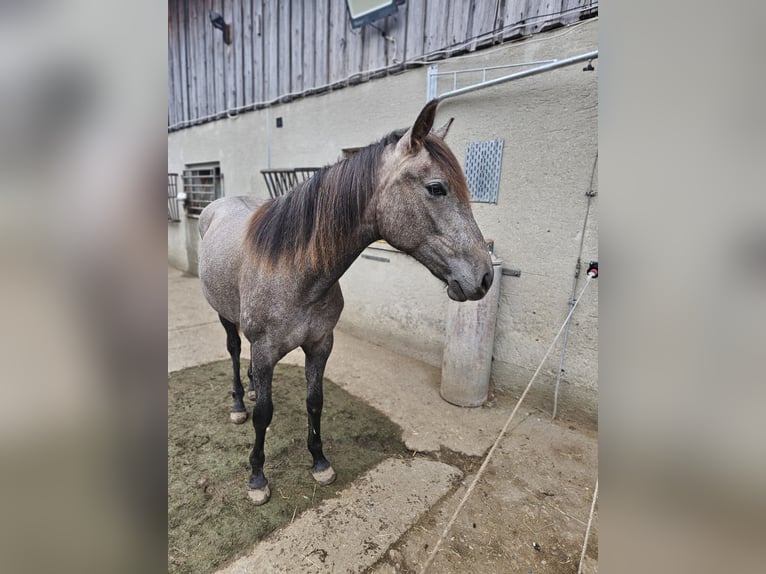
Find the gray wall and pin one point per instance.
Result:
(549, 123)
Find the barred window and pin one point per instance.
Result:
(203, 183)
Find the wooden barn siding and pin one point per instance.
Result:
(282, 48)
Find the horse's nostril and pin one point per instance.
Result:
(486, 281)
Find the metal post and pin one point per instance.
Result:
(432, 86)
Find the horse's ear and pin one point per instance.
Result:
(412, 140)
(442, 131)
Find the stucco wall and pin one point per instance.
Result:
(549, 124)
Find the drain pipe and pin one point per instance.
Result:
(589, 56)
(590, 194)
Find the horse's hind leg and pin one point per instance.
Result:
(238, 413)
(316, 359)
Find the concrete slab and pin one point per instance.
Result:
(353, 531)
(407, 391)
(195, 335)
(528, 512)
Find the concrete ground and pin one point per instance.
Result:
(528, 512)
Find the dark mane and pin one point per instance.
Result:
(313, 221)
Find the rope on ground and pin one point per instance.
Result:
(587, 529)
(484, 464)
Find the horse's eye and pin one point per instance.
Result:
(436, 188)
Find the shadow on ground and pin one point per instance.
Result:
(210, 519)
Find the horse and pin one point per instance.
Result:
(270, 269)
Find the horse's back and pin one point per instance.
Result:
(231, 209)
(222, 227)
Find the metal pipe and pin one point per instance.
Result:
(578, 265)
(502, 66)
(518, 75)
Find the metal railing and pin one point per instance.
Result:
(173, 214)
(281, 181)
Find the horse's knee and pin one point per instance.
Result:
(314, 405)
(263, 411)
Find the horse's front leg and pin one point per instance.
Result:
(316, 359)
(258, 488)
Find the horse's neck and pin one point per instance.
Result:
(352, 245)
(319, 282)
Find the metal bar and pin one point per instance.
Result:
(432, 87)
(499, 67)
(375, 258)
(518, 75)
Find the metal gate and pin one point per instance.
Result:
(280, 181)
(172, 197)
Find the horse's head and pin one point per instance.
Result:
(423, 209)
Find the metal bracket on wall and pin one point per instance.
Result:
(375, 258)
(511, 272)
(432, 80)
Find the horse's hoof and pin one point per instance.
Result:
(251, 395)
(238, 418)
(259, 496)
(325, 477)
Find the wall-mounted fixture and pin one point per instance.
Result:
(220, 24)
(363, 12)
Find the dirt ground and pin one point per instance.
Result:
(210, 519)
(528, 512)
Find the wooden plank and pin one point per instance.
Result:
(259, 59)
(283, 71)
(209, 59)
(171, 67)
(219, 63)
(202, 53)
(191, 50)
(535, 15)
(416, 22)
(247, 53)
(322, 39)
(337, 40)
(515, 13)
(296, 46)
(183, 61)
(396, 25)
(483, 24)
(229, 59)
(238, 46)
(177, 85)
(271, 50)
(572, 9)
(436, 26)
(374, 49)
(356, 46)
(309, 46)
(460, 22)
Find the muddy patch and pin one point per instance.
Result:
(210, 519)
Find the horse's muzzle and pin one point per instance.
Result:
(470, 290)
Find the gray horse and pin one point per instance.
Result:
(271, 268)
